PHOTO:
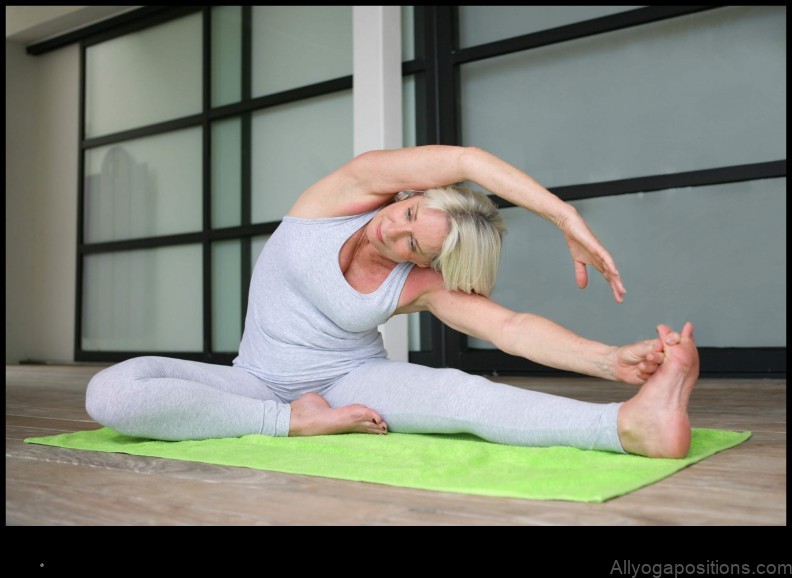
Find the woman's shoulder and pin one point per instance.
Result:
(420, 281)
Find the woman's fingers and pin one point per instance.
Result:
(608, 271)
(581, 275)
(618, 291)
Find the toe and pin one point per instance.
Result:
(687, 331)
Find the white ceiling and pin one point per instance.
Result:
(30, 24)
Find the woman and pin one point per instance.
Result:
(351, 253)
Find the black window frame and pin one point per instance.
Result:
(135, 21)
(436, 71)
(437, 40)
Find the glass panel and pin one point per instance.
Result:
(408, 33)
(148, 300)
(226, 295)
(294, 145)
(408, 111)
(702, 91)
(226, 173)
(143, 78)
(482, 24)
(414, 332)
(226, 54)
(298, 45)
(408, 121)
(711, 255)
(144, 187)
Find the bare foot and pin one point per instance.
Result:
(655, 422)
(311, 415)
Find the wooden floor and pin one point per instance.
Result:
(45, 485)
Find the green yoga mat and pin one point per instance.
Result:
(449, 463)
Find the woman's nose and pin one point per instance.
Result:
(399, 229)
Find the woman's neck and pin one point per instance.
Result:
(365, 254)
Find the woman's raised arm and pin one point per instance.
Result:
(372, 178)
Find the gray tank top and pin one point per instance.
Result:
(304, 321)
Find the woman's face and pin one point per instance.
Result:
(408, 231)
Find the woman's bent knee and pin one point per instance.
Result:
(105, 397)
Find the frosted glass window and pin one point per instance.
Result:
(144, 187)
(408, 111)
(295, 145)
(148, 300)
(143, 78)
(226, 173)
(298, 45)
(706, 90)
(408, 33)
(226, 295)
(712, 255)
(483, 24)
(414, 332)
(409, 121)
(226, 54)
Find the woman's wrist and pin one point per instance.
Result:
(610, 365)
(564, 216)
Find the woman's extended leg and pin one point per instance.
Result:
(417, 399)
(174, 399)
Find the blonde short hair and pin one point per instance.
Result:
(470, 256)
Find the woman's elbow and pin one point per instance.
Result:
(505, 337)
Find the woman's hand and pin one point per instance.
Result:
(586, 249)
(635, 363)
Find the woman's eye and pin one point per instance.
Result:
(409, 214)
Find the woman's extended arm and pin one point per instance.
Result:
(539, 339)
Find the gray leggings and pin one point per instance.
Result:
(173, 399)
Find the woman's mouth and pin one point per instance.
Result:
(379, 233)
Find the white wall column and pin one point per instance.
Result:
(377, 95)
